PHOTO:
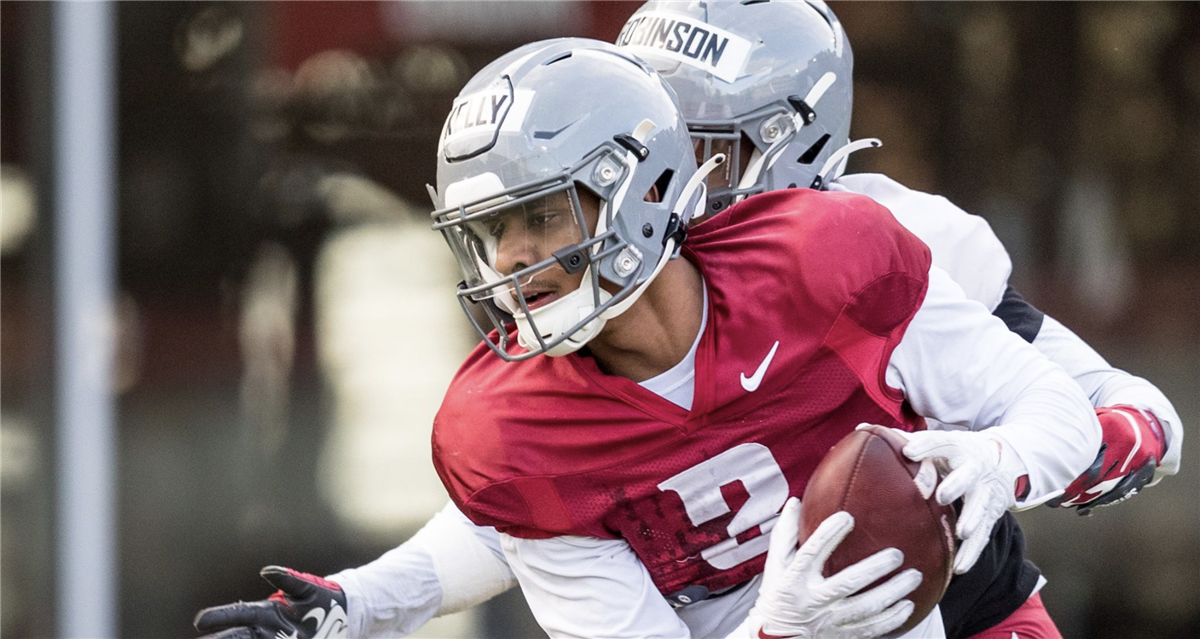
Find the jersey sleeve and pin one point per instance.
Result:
(577, 585)
(961, 365)
(837, 252)
(963, 245)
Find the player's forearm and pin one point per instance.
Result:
(1053, 434)
(391, 596)
(448, 566)
(1109, 386)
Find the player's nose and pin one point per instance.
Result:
(515, 251)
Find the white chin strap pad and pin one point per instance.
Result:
(558, 317)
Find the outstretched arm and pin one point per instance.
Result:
(448, 566)
(1142, 433)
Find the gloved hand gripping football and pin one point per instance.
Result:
(797, 602)
(971, 463)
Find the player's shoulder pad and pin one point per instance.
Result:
(964, 245)
(837, 232)
(464, 437)
(495, 444)
(816, 251)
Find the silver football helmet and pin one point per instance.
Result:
(767, 83)
(565, 181)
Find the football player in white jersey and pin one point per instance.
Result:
(777, 101)
(782, 133)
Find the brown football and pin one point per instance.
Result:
(892, 500)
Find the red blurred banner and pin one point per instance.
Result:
(297, 30)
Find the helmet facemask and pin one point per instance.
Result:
(750, 143)
(531, 256)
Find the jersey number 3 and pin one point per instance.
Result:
(700, 489)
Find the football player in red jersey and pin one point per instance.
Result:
(635, 471)
(645, 451)
(790, 98)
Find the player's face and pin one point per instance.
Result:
(530, 233)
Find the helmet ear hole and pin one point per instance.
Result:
(813, 151)
(659, 189)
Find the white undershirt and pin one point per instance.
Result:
(678, 384)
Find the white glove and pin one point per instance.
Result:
(972, 461)
(795, 601)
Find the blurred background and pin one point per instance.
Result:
(225, 326)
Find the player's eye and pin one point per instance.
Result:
(544, 220)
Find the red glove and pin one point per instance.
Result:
(1131, 448)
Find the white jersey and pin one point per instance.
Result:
(965, 247)
(453, 564)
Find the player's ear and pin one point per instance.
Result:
(653, 195)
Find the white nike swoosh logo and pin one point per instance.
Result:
(751, 383)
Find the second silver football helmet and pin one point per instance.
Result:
(767, 83)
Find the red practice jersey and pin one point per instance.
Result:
(808, 292)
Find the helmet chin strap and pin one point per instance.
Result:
(757, 163)
(631, 160)
(811, 99)
(695, 182)
(838, 156)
